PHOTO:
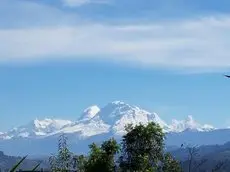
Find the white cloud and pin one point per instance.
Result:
(197, 44)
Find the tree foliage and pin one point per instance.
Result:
(170, 164)
(79, 163)
(142, 148)
(63, 161)
(102, 158)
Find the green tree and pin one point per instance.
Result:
(142, 148)
(170, 164)
(79, 163)
(102, 158)
(142, 151)
(64, 160)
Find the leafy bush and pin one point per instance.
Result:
(141, 150)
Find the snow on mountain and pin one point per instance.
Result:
(118, 114)
(4, 136)
(90, 112)
(112, 118)
(95, 121)
(96, 125)
(49, 125)
(38, 128)
(87, 128)
(189, 124)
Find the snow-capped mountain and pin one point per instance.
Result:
(93, 121)
(98, 124)
(89, 113)
(2, 135)
(118, 114)
(86, 128)
(189, 124)
(36, 128)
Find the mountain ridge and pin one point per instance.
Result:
(98, 124)
(114, 116)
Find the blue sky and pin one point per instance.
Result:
(59, 57)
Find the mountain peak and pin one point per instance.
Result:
(93, 121)
(118, 114)
(38, 128)
(90, 112)
(189, 124)
(114, 111)
(117, 102)
(189, 118)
